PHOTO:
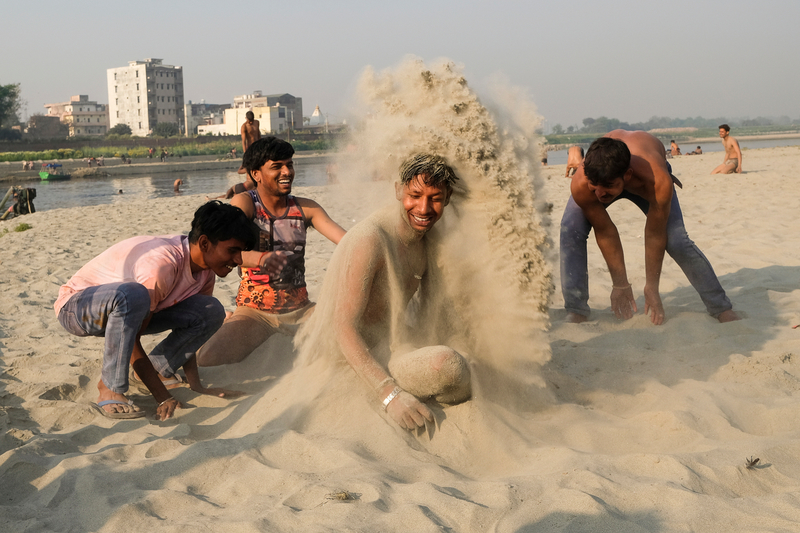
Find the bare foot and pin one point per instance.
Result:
(108, 394)
(728, 316)
(575, 318)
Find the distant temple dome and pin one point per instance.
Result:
(317, 119)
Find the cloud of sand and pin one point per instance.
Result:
(488, 271)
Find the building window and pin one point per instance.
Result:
(137, 86)
(115, 88)
(137, 73)
(140, 112)
(115, 75)
(140, 125)
(138, 100)
(117, 114)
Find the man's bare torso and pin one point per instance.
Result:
(251, 132)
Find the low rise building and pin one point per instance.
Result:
(203, 114)
(81, 115)
(293, 106)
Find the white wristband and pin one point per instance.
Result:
(392, 395)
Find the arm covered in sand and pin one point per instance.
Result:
(351, 312)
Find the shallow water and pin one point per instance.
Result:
(559, 157)
(98, 191)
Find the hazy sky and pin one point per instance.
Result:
(623, 59)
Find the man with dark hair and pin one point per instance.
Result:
(732, 161)
(147, 285)
(251, 132)
(373, 275)
(272, 295)
(674, 149)
(630, 165)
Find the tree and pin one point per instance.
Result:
(120, 129)
(166, 129)
(9, 104)
(558, 129)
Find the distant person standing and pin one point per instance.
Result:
(251, 132)
(733, 154)
(674, 149)
(574, 160)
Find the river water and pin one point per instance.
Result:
(98, 191)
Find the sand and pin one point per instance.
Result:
(640, 428)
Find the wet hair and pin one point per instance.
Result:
(266, 149)
(220, 222)
(250, 115)
(433, 168)
(581, 148)
(672, 141)
(725, 127)
(606, 161)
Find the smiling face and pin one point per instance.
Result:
(275, 178)
(423, 204)
(223, 256)
(723, 133)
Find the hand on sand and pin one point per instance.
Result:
(623, 303)
(272, 263)
(167, 408)
(408, 412)
(653, 306)
(219, 392)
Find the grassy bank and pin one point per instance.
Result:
(220, 148)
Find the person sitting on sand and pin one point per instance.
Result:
(674, 149)
(374, 273)
(574, 160)
(732, 162)
(630, 165)
(147, 285)
(697, 151)
(268, 303)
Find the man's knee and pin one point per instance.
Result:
(135, 296)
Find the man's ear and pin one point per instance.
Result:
(628, 175)
(204, 243)
(398, 190)
(447, 197)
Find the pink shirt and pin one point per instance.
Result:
(161, 264)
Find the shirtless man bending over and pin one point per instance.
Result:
(376, 270)
(630, 165)
(574, 160)
(733, 154)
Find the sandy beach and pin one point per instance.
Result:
(637, 428)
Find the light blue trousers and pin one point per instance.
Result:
(116, 311)
(575, 230)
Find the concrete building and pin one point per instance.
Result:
(203, 114)
(273, 119)
(292, 104)
(81, 115)
(145, 93)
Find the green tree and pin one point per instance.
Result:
(9, 104)
(120, 129)
(166, 129)
(558, 129)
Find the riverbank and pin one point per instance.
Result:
(11, 172)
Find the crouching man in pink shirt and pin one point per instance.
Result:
(147, 285)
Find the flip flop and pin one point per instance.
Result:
(174, 381)
(118, 416)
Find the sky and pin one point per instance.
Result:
(629, 60)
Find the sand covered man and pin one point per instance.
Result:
(630, 165)
(732, 161)
(148, 285)
(574, 160)
(362, 316)
(272, 296)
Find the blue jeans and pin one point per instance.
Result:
(116, 311)
(574, 265)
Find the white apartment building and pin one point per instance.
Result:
(145, 93)
(293, 107)
(81, 115)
